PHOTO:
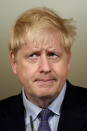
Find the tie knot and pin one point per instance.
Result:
(45, 114)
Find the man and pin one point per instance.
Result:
(40, 55)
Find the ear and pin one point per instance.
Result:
(69, 60)
(12, 62)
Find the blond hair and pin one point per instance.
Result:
(36, 18)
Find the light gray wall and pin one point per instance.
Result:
(10, 10)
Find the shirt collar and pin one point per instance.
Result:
(30, 108)
(56, 104)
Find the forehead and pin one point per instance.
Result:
(49, 39)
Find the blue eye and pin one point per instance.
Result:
(51, 54)
(32, 55)
(54, 57)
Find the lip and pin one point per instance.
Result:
(45, 81)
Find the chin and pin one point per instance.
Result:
(46, 95)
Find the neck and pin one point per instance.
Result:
(42, 102)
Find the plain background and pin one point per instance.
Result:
(11, 9)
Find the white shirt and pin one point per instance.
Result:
(34, 110)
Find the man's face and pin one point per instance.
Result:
(42, 67)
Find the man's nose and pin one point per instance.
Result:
(44, 64)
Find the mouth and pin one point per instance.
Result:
(45, 81)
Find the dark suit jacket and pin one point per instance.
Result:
(73, 111)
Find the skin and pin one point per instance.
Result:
(42, 67)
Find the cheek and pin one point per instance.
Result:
(30, 70)
(61, 69)
(26, 72)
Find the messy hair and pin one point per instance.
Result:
(41, 18)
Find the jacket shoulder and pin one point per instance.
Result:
(8, 101)
(78, 90)
(10, 104)
(76, 96)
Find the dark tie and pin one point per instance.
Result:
(44, 116)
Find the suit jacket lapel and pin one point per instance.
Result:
(71, 116)
(70, 121)
(20, 122)
(14, 120)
